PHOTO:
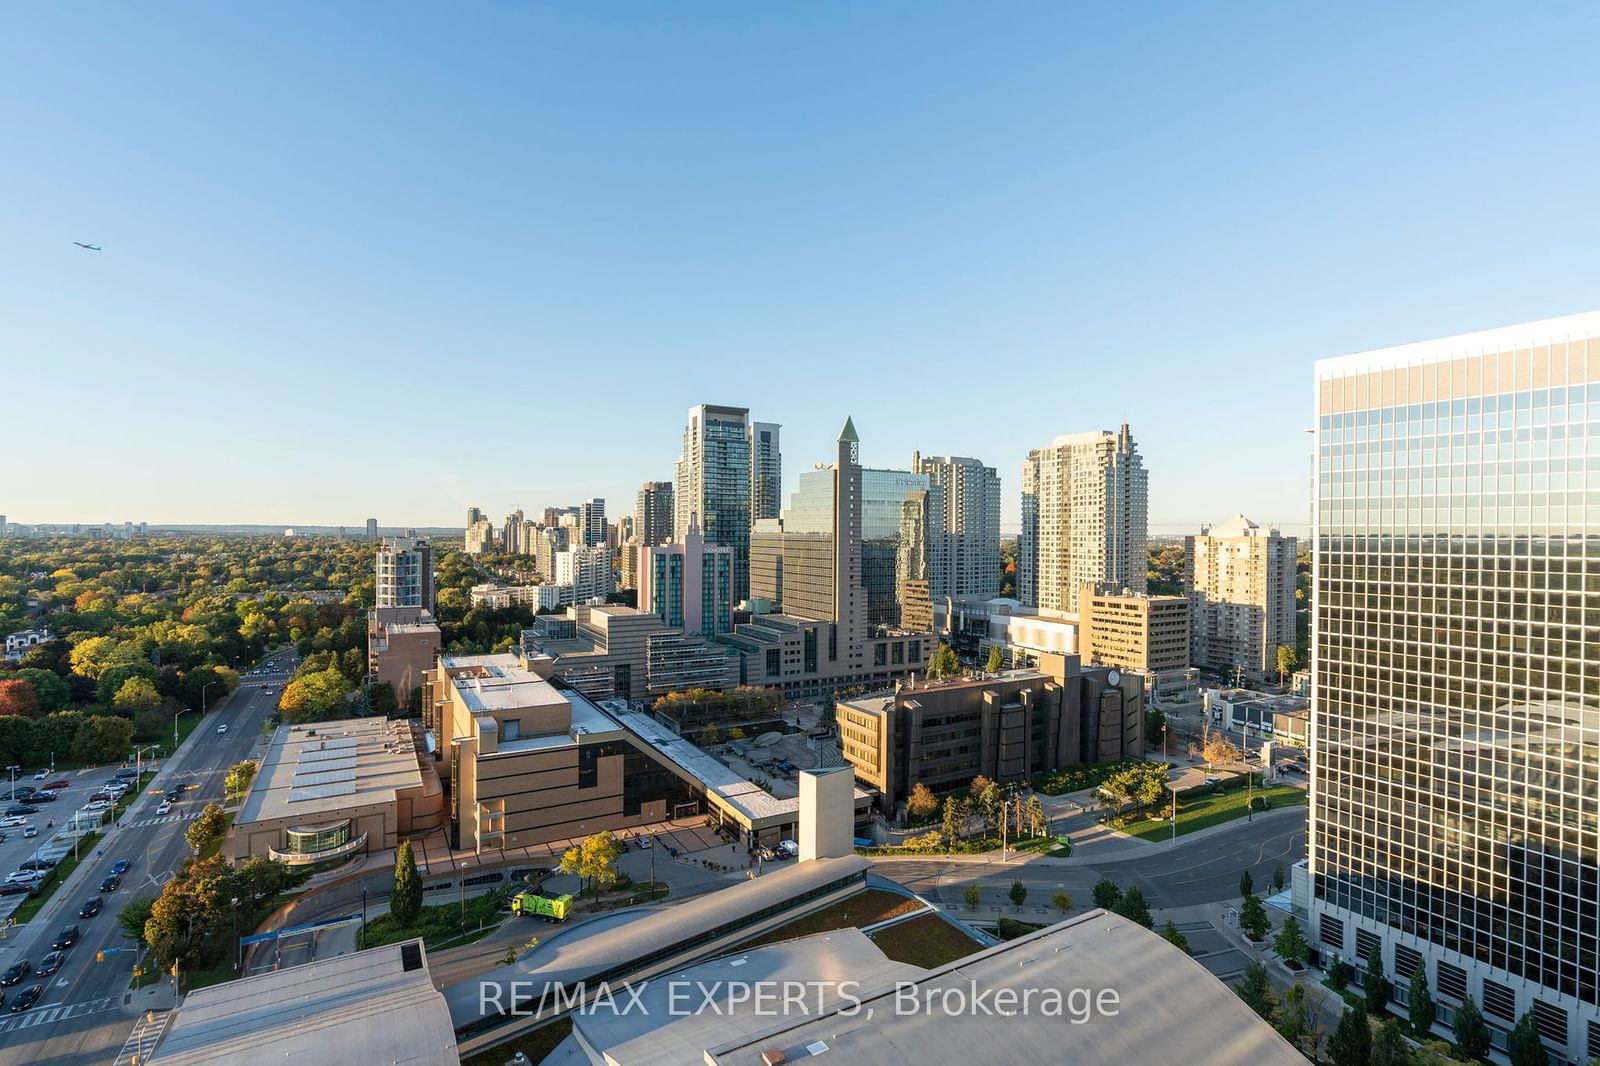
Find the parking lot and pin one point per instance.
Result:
(53, 837)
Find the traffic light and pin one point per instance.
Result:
(99, 956)
(138, 971)
(174, 970)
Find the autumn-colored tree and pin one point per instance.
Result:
(136, 694)
(18, 697)
(921, 802)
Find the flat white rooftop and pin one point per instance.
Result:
(323, 768)
(1502, 338)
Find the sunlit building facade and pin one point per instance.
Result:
(1456, 672)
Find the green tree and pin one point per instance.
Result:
(405, 902)
(1374, 985)
(1287, 661)
(102, 738)
(996, 660)
(132, 918)
(1472, 1032)
(316, 697)
(1253, 917)
(1172, 935)
(1133, 907)
(380, 697)
(1296, 1020)
(710, 736)
(118, 674)
(54, 693)
(1038, 821)
(1106, 894)
(136, 694)
(972, 894)
(1256, 990)
(1351, 1043)
(1389, 1047)
(240, 774)
(944, 663)
(1277, 879)
(1155, 725)
(1019, 894)
(921, 802)
(19, 740)
(207, 829)
(1419, 1003)
(1247, 885)
(1061, 901)
(1523, 1046)
(952, 819)
(1290, 943)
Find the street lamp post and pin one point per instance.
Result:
(13, 770)
(238, 947)
(180, 714)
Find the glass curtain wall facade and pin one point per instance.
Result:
(1456, 671)
(883, 497)
(713, 482)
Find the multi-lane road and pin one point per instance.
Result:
(87, 1011)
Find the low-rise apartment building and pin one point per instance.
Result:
(401, 643)
(1133, 631)
(1005, 726)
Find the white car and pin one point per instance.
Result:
(222, 729)
(20, 877)
(41, 775)
(166, 805)
(30, 831)
(96, 805)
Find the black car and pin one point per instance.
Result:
(91, 907)
(111, 884)
(37, 864)
(15, 975)
(42, 797)
(24, 793)
(26, 998)
(127, 772)
(66, 938)
(174, 793)
(51, 963)
(19, 809)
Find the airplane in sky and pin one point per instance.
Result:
(90, 247)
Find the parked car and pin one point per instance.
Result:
(26, 998)
(24, 793)
(91, 907)
(56, 786)
(111, 884)
(51, 963)
(17, 810)
(16, 974)
(43, 797)
(121, 866)
(15, 888)
(645, 843)
(41, 864)
(41, 775)
(66, 938)
(788, 849)
(127, 772)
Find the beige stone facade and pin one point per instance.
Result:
(1117, 627)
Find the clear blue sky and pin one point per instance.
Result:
(395, 260)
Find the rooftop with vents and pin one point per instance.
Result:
(313, 770)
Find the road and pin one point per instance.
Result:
(86, 1012)
(1205, 871)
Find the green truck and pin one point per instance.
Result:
(545, 908)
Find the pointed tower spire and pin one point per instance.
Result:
(847, 435)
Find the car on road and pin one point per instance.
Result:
(127, 771)
(174, 792)
(222, 729)
(51, 963)
(121, 866)
(29, 831)
(16, 974)
(111, 884)
(41, 775)
(26, 998)
(66, 938)
(91, 907)
(56, 785)
(17, 810)
(164, 807)
(645, 843)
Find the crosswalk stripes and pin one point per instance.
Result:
(56, 1013)
(162, 820)
(141, 1043)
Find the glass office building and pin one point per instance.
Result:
(883, 498)
(713, 484)
(1456, 672)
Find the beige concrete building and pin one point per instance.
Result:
(1240, 580)
(333, 790)
(1005, 726)
(401, 643)
(619, 652)
(1084, 518)
(1133, 631)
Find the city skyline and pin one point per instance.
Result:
(855, 231)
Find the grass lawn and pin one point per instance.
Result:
(926, 941)
(445, 923)
(536, 1045)
(1208, 809)
(866, 908)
